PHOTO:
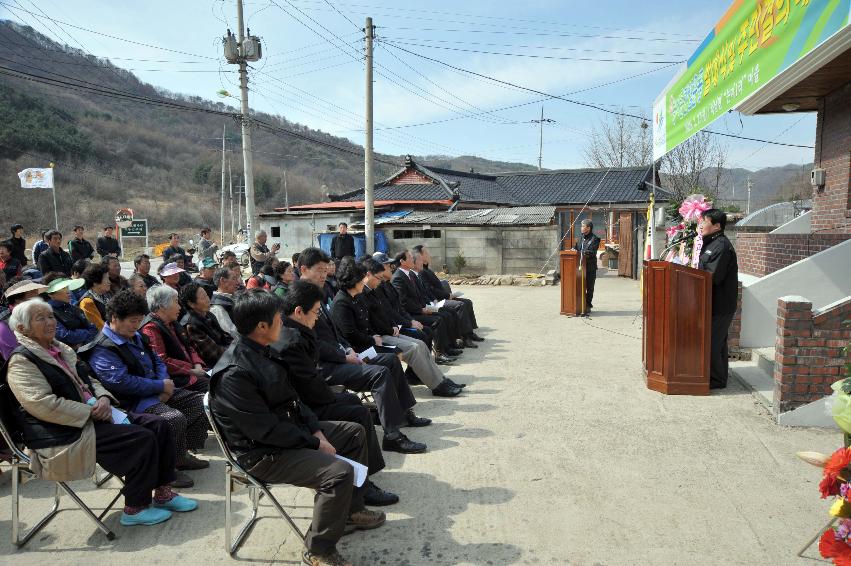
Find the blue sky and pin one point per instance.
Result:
(314, 78)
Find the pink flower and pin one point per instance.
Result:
(693, 208)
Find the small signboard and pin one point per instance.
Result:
(137, 229)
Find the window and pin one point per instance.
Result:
(403, 234)
(276, 231)
(418, 234)
(431, 233)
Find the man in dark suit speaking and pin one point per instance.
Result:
(587, 244)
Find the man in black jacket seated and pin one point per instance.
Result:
(404, 280)
(719, 257)
(298, 347)
(441, 292)
(383, 375)
(278, 439)
(399, 316)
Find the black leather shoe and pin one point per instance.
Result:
(182, 481)
(460, 344)
(458, 385)
(475, 337)
(403, 445)
(445, 389)
(414, 420)
(377, 497)
(468, 343)
(454, 352)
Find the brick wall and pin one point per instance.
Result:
(733, 337)
(808, 356)
(761, 253)
(832, 204)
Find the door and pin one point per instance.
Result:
(625, 241)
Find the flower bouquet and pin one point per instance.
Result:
(835, 542)
(684, 242)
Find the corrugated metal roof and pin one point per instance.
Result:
(523, 215)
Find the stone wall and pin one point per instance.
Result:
(808, 356)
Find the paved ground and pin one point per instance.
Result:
(557, 455)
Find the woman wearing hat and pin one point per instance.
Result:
(17, 291)
(170, 274)
(93, 303)
(72, 326)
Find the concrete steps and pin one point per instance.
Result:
(757, 375)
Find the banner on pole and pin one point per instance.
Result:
(36, 178)
(754, 42)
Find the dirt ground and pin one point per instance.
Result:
(556, 454)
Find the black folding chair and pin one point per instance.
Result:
(236, 476)
(21, 473)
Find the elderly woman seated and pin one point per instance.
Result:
(202, 329)
(130, 370)
(68, 423)
(93, 302)
(72, 326)
(169, 341)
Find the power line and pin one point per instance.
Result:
(585, 104)
(342, 14)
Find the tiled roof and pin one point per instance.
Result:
(518, 216)
(562, 187)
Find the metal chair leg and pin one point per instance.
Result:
(20, 539)
(98, 481)
(283, 513)
(815, 538)
(232, 547)
(98, 523)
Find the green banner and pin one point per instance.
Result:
(753, 42)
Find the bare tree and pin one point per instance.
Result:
(694, 166)
(620, 141)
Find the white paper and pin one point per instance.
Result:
(437, 305)
(118, 416)
(368, 354)
(360, 470)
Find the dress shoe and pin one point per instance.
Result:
(366, 519)
(332, 558)
(454, 352)
(442, 360)
(458, 385)
(460, 344)
(468, 343)
(403, 445)
(445, 389)
(377, 497)
(414, 420)
(182, 481)
(190, 462)
(475, 337)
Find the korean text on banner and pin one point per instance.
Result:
(36, 178)
(751, 44)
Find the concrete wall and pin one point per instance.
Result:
(298, 232)
(800, 225)
(486, 249)
(822, 278)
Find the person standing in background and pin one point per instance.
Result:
(342, 244)
(107, 244)
(587, 245)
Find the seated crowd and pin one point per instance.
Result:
(283, 354)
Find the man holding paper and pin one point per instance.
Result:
(278, 439)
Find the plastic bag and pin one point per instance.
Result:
(841, 409)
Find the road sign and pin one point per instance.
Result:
(137, 229)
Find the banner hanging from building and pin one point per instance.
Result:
(34, 178)
(751, 44)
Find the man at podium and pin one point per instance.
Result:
(587, 246)
(719, 257)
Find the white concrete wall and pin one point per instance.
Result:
(799, 225)
(298, 232)
(822, 278)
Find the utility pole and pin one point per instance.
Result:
(230, 186)
(222, 204)
(286, 192)
(369, 186)
(541, 144)
(750, 186)
(248, 165)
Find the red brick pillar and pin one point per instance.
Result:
(792, 381)
(733, 338)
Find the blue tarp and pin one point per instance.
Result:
(360, 243)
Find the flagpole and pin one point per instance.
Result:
(53, 187)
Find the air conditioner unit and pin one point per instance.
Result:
(251, 49)
(817, 177)
(230, 48)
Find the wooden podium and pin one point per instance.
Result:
(677, 310)
(572, 284)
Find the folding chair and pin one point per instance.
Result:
(236, 476)
(21, 473)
